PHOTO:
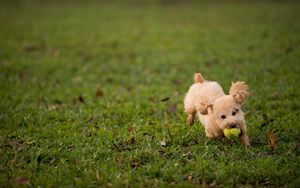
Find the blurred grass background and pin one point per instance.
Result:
(90, 89)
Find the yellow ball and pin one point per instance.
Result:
(232, 133)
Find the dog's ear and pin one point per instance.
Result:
(204, 107)
(239, 91)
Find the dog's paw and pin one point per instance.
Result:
(245, 140)
(190, 119)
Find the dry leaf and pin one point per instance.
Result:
(176, 81)
(109, 80)
(132, 140)
(187, 154)
(70, 147)
(35, 47)
(135, 164)
(14, 144)
(275, 95)
(272, 137)
(20, 147)
(81, 99)
(11, 143)
(99, 93)
(22, 181)
(165, 99)
(130, 129)
(172, 108)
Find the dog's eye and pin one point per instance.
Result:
(236, 110)
(223, 116)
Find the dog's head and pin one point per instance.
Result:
(226, 110)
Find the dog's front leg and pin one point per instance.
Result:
(211, 129)
(244, 138)
(190, 119)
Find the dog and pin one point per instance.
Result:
(215, 109)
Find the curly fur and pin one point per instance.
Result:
(239, 90)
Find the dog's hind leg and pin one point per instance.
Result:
(190, 109)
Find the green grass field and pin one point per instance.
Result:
(90, 91)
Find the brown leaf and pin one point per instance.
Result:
(11, 143)
(272, 137)
(165, 99)
(81, 99)
(176, 82)
(22, 181)
(109, 80)
(275, 95)
(14, 144)
(130, 129)
(99, 93)
(20, 147)
(132, 140)
(35, 47)
(172, 108)
(135, 164)
(70, 147)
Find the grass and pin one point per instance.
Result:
(57, 132)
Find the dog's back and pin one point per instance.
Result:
(202, 89)
(200, 93)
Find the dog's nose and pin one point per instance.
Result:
(233, 125)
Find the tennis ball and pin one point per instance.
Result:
(231, 133)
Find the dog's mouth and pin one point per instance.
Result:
(232, 125)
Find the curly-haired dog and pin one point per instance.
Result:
(216, 110)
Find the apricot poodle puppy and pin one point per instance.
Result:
(217, 111)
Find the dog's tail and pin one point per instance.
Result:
(198, 78)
